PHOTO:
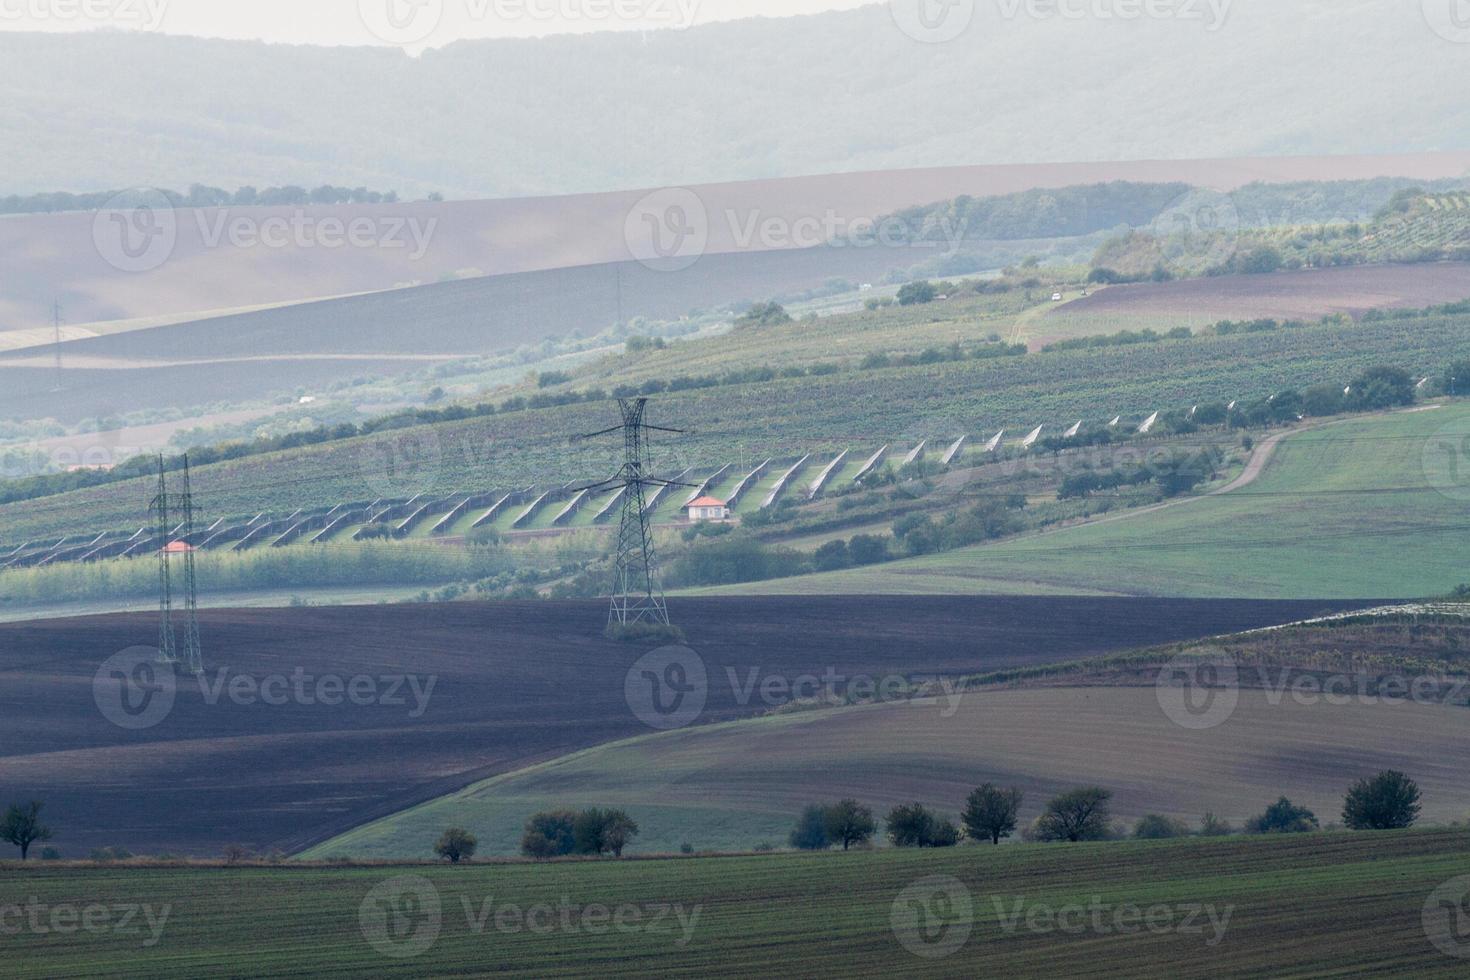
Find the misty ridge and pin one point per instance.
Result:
(728, 101)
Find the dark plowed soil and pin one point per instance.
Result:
(514, 683)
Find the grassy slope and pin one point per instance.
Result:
(734, 786)
(1320, 521)
(856, 410)
(1309, 905)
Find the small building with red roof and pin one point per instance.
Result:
(707, 509)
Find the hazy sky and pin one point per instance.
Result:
(414, 24)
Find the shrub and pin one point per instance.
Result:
(1213, 826)
(832, 556)
(917, 293)
(456, 844)
(1155, 826)
(1081, 815)
(50, 854)
(867, 549)
(1387, 801)
(1283, 817)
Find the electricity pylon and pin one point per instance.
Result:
(168, 642)
(159, 505)
(193, 656)
(637, 596)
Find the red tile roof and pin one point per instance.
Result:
(706, 502)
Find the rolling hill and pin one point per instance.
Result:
(1365, 506)
(500, 686)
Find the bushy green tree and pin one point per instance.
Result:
(811, 830)
(1083, 814)
(1156, 826)
(913, 825)
(990, 813)
(848, 822)
(1283, 817)
(916, 293)
(1387, 801)
(456, 844)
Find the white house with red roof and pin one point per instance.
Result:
(707, 509)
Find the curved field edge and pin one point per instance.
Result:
(1360, 898)
(738, 786)
(1369, 506)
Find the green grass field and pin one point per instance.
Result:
(1372, 507)
(1297, 906)
(735, 786)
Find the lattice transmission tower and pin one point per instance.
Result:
(637, 596)
(165, 506)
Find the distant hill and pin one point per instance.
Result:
(842, 91)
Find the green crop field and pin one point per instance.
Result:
(823, 415)
(1370, 507)
(1298, 905)
(735, 786)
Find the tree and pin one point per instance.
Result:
(550, 834)
(990, 813)
(456, 844)
(618, 830)
(1387, 801)
(848, 823)
(917, 293)
(1323, 400)
(911, 825)
(811, 830)
(22, 826)
(596, 831)
(1082, 814)
(1381, 387)
(1283, 817)
(1457, 379)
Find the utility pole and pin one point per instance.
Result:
(167, 652)
(193, 656)
(637, 596)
